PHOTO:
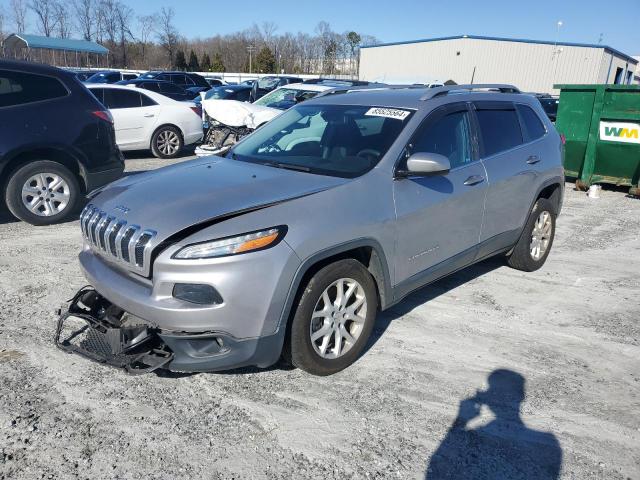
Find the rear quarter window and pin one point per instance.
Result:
(532, 126)
(18, 88)
(499, 128)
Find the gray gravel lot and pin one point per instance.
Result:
(570, 330)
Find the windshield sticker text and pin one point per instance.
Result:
(388, 112)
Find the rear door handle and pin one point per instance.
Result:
(474, 180)
(149, 115)
(533, 159)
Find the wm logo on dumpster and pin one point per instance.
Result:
(620, 132)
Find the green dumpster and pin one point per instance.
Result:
(601, 125)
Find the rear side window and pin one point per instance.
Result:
(531, 124)
(146, 101)
(153, 86)
(18, 88)
(121, 98)
(499, 127)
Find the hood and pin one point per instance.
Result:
(238, 114)
(171, 199)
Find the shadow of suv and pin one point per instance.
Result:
(57, 142)
(334, 210)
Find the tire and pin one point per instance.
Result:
(166, 142)
(524, 257)
(27, 182)
(301, 351)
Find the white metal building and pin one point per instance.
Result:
(531, 65)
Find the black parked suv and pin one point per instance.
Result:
(57, 142)
(189, 81)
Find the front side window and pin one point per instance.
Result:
(499, 128)
(323, 139)
(17, 88)
(447, 134)
(115, 98)
(153, 86)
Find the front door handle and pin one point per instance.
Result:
(533, 159)
(474, 180)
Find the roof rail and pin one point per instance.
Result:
(439, 91)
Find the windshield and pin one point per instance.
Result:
(268, 83)
(338, 140)
(284, 98)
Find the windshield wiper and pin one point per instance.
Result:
(287, 166)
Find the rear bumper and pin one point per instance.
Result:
(99, 179)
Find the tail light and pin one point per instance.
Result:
(197, 111)
(563, 139)
(103, 115)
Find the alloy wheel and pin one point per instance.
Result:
(541, 236)
(338, 318)
(168, 142)
(45, 194)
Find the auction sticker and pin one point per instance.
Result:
(388, 112)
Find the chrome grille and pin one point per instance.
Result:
(116, 240)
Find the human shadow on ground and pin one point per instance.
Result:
(502, 449)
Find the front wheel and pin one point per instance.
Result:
(166, 142)
(536, 240)
(333, 319)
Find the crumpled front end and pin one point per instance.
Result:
(228, 121)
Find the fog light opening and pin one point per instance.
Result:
(197, 293)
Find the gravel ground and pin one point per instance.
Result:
(569, 334)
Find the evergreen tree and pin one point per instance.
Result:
(265, 61)
(217, 65)
(180, 63)
(194, 65)
(205, 63)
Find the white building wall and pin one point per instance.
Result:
(530, 66)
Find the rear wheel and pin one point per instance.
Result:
(42, 192)
(536, 240)
(333, 319)
(166, 142)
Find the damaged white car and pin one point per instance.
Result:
(227, 121)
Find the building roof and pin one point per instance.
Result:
(629, 58)
(66, 44)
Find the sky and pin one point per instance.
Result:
(399, 20)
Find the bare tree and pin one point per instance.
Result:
(2, 22)
(85, 16)
(123, 17)
(45, 11)
(63, 26)
(19, 14)
(167, 33)
(146, 25)
(268, 31)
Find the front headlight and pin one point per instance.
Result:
(248, 242)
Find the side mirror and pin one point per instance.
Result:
(424, 163)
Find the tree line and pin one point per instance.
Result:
(153, 41)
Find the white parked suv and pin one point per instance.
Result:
(148, 120)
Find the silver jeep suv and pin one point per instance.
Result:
(292, 243)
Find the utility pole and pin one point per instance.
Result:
(251, 49)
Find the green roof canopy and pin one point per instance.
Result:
(18, 40)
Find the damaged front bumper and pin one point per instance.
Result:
(98, 330)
